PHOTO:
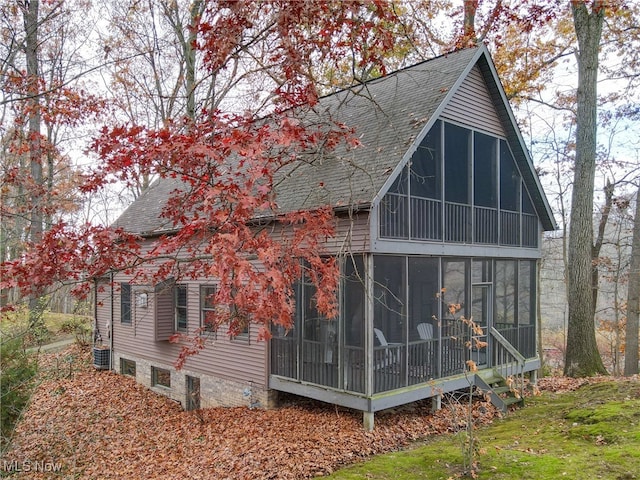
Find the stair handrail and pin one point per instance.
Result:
(515, 356)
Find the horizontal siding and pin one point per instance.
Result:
(234, 359)
(103, 311)
(219, 358)
(472, 105)
(351, 234)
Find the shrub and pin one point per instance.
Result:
(17, 373)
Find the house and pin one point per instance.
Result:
(442, 196)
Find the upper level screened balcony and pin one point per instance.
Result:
(461, 186)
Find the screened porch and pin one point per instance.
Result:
(410, 331)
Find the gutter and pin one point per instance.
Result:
(259, 221)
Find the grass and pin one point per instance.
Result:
(59, 326)
(593, 432)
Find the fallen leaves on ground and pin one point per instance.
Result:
(567, 384)
(102, 425)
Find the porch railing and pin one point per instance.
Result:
(398, 365)
(284, 356)
(508, 362)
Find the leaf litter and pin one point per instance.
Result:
(102, 425)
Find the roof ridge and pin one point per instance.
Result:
(396, 72)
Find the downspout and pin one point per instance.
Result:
(96, 325)
(368, 416)
(110, 330)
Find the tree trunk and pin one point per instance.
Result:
(35, 145)
(599, 241)
(633, 300)
(469, 26)
(582, 356)
(30, 17)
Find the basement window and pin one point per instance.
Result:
(160, 377)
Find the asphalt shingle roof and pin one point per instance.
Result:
(387, 114)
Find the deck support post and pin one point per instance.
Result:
(368, 421)
(436, 403)
(533, 377)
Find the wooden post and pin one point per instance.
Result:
(368, 421)
(436, 403)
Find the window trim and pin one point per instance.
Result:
(244, 336)
(131, 364)
(209, 331)
(125, 302)
(177, 307)
(155, 379)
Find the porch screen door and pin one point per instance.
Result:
(481, 311)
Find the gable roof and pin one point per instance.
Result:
(390, 116)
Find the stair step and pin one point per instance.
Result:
(512, 401)
(500, 390)
(493, 380)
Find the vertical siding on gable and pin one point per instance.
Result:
(472, 105)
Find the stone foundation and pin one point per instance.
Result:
(214, 391)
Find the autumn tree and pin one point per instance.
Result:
(222, 167)
(155, 75)
(45, 106)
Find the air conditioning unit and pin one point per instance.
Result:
(101, 357)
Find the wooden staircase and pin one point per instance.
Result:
(501, 394)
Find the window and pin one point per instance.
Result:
(181, 307)
(127, 367)
(426, 163)
(354, 301)
(207, 308)
(423, 288)
(160, 377)
(125, 303)
(509, 180)
(243, 330)
(526, 292)
(485, 191)
(505, 287)
(454, 280)
(456, 164)
(389, 276)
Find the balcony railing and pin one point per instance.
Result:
(393, 216)
(457, 222)
(404, 217)
(529, 230)
(486, 225)
(509, 228)
(426, 219)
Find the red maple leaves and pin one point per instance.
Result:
(222, 220)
